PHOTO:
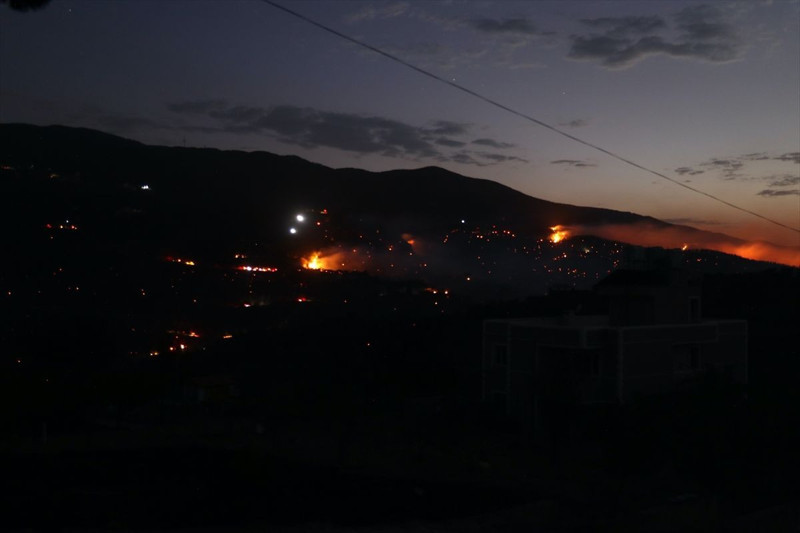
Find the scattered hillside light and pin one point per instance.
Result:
(145, 187)
(300, 218)
(292, 230)
(463, 221)
(685, 247)
(249, 268)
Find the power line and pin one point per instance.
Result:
(519, 113)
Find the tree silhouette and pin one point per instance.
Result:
(26, 5)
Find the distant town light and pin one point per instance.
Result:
(145, 187)
(300, 218)
(292, 231)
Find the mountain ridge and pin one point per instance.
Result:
(261, 189)
(18, 142)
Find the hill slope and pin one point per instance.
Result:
(208, 201)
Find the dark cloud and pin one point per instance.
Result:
(688, 170)
(482, 159)
(500, 158)
(450, 142)
(313, 128)
(703, 34)
(776, 193)
(378, 10)
(515, 26)
(756, 156)
(704, 23)
(446, 127)
(572, 162)
(237, 113)
(465, 158)
(492, 143)
(729, 167)
(626, 25)
(794, 157)
(200, 107)
(577, 123)
(785, 181)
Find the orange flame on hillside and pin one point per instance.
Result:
(313, 262)
(559, 234)
(325, 261)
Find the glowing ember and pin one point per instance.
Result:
(187, 262)
(685, 247)
(559, 234)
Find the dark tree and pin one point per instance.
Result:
(26, 5)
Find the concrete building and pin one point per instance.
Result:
(653, 340)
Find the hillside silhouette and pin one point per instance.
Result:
(261, 181)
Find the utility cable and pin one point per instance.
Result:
(519, 113)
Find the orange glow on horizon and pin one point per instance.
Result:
(645, 234)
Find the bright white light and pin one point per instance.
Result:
(292, 231)
(463, 221)
(145, 187)
(300, 218)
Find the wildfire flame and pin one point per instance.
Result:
(326, 261)
(313, 262)
(559, 234)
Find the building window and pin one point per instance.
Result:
(500, 355)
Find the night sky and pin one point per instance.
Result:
(705, 93)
